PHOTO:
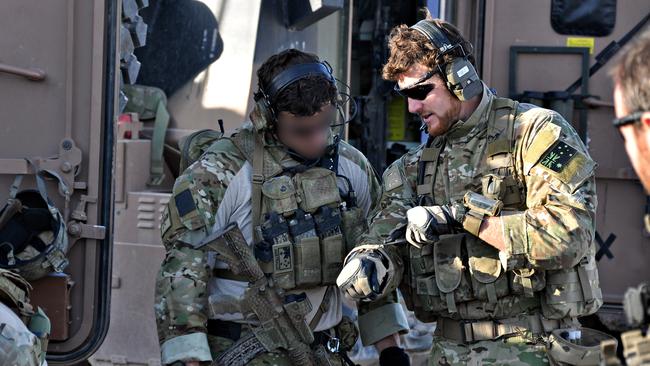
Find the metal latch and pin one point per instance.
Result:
(80, 230)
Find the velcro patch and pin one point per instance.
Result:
(165, 222)
(184, 202)
(392, 179)
(558, 157)
(282, 257)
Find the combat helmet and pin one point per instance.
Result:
(33, 237)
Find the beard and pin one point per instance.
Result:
(436, 125)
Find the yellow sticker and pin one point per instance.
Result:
(396, 119)
(581, 42)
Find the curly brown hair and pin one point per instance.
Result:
(304, 97)
(408, 47)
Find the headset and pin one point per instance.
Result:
(266, 96)
(459, 74)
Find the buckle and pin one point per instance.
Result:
(258, 178)
(333, 345)
(466, 331)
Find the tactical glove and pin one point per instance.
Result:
(368, 274)
(427, 223)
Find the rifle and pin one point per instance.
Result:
(282, 321)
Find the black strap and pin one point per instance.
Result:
(224, 329)
(435, 35)
(344, 356)
(606, 54)
(440, 142)
(295, 73)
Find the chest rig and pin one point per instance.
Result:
(303, 224)
(460, 268)
(488, 159)
(450, 277)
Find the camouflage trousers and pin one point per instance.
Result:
(513, 351)
(278, 358)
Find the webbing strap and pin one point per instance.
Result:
(322, 308)
(258, 179)
(583, 277)
(468, 331)
(503, 110)
(429, 164)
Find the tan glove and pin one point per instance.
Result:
(368, 274)
(427, 223)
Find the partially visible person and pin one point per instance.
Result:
(631, 75)
(19, 346)
(632, 106)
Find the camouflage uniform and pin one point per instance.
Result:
(213, 192)
(548, 189)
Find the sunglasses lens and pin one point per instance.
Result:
(418, 92)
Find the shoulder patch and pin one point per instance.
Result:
(392, 178)
(549, 154)
(557, 158)
(184, 208)
(184, 202)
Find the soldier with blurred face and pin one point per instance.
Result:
(299, 198)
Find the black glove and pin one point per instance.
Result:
(394, 356)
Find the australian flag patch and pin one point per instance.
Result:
(559, 156)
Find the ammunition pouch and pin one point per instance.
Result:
(452, 276)
(526, 281)
(461, 268)
(305, 230)
(489, 281)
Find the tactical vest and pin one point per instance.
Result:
(461, 269)
(303, 227)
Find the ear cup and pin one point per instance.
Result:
(266, 112)
(460, 76)
(462, 79)
(265, 96)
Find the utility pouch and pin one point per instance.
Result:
(572, 292)
(280, 195)
(317, 188)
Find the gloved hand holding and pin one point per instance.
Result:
(426, 223)
(367, 274)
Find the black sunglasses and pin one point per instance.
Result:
(624, 121)
(417, 90)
